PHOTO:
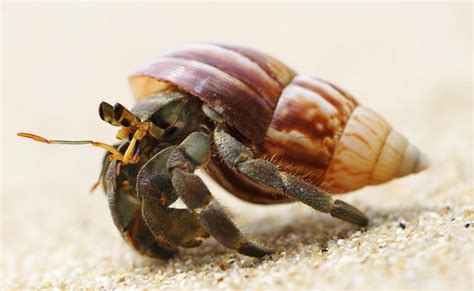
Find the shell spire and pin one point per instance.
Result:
(371, 152)
(319, 128)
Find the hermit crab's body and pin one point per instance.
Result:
(263, 132)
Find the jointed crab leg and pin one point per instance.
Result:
(176, 227)
(239, 158)
(192, 153)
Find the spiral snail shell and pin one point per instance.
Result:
(309, 127)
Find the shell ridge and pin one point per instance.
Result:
(344, 104)
(228, 76)
(379, 153)
(361, 121)
(233, 63)
(323, 103)
(250, 54)
(343, 92)
(231, 48)
(360, 138)
(332, 160)
(356, 155)
(223, 92)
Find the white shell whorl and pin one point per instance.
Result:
(370, 152)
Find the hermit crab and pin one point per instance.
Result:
(264, 133)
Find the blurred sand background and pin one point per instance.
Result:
(410, 62)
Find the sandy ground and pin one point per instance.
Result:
(410, 62)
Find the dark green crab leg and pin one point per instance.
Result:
(126, 213)
(239, 158)
(193, 152)
(177, 227)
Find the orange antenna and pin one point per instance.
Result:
(105, 146)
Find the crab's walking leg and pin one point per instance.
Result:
(240, 158)
(176, 227)
(192, 153)
(139, 236)
(126, 213)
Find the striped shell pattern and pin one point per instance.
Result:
(308, 126)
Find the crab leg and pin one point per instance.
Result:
(192, 153)
(240, 158)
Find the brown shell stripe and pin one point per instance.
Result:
(308, 121)
(222, 91)
(234, 64)
(344, 102)
(390, 158)
(277, 70)
(358, 151)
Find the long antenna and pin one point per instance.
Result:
(105, 146)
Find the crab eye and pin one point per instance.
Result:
(117, 115)
(106, 113)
